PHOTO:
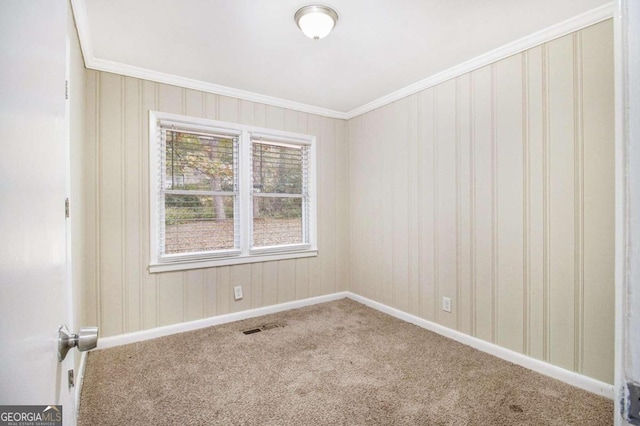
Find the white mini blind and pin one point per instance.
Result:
(228, 194)
(198, 194)
(280, 194)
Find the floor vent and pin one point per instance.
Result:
(262, 328)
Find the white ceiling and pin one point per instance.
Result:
(377, 47)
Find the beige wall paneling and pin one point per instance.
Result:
(270, 283)
(210, 106)
(210, 292)
(365, 234)
(194, 295)
(171, 298)
(327, 211)
(302, 278)
(121, 295)
(482, 187)
(224, 294)
(561, 321)
(368, 193)
(598, 181)
(464, 293)
(446, 201)
(427, 267)
(247, 112)
(342, 206)
(361, 227)
(534, 199)
(506, 199)
(372, 186)
(194, 103)
(257, 287)
(91, 299)
(382, 219)
(387, 143)
(398, 139)
(111, 225)
(413, 208)
(286, 280)
(510, 199)
(227, 109)
(132, 206)
(357, 229)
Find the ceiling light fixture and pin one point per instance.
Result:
(316, 21)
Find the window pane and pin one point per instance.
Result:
(277, 169)
(277, 221)
(198, 223)
(198, 162)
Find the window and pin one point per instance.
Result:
(280, 194)
(224, 193)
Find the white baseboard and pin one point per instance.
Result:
(569, 377)
(80, 380)
(139, 336)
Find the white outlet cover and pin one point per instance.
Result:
(446, 304)
(237, 292)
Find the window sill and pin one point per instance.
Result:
(235, 260)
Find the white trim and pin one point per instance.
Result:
(627, 308)
(576, 23)
(154, 333)
(245, 254)
(227, 261)
(82, 26)
(569, 377)
(80, 379)
(574, 379)
(620, 57)
(568, 26)
(189, 83)
(90, 61)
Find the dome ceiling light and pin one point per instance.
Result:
(316, 21)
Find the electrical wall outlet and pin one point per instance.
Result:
(446, 304)
(237, 292)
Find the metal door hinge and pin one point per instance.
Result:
(72, 380)
(66, 207)
(66, 89)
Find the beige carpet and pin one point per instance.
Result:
(337, 363)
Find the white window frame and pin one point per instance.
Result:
(246, 254)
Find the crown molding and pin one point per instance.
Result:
(576, 23)
(79, 12)
(568, 26)
(159, 77)
(91, 62)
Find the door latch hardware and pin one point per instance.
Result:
(87, 338)
(72, 381)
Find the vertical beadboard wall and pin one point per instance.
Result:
(120, 295)
(496, 189)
